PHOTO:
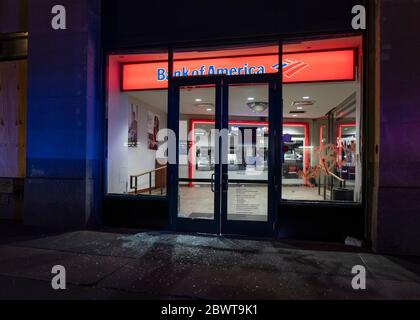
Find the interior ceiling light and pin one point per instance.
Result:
(251, 99)
(198, 100)
(306, 98)
(204, 105)
(258, 107)
(305, 103)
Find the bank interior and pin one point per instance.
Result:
(322, 138)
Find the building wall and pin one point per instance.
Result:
(62, 189)
(146, 23)
(398, 211)
(13, 16)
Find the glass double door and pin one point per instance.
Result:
(225, 179)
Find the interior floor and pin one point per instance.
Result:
(245, 202)
(289, 193)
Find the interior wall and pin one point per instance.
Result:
(315, 138)
(358, 194)
(123, 161)
(184, 169)
(117, 160)
(142, 159)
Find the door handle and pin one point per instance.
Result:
(225, 182)
(212, 182)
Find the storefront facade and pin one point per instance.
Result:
(199, 84)
(238, 90)
(293, 92)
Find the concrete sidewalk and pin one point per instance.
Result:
(156, 265)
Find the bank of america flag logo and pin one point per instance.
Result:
(291, 67)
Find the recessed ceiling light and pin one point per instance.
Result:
(198, 100)
(300, 108)
(306, 98)
(258, 107)
(295, 116)
(208, 109)
(251, 99)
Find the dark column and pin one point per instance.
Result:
(398, 220)
(13, 16)
(62, 186)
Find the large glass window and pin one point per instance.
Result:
(197, 152)
(137, 111)
(248, 152)
(322, 119)
(322, 126)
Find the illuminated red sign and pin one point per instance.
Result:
(297, 67)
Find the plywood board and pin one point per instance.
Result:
(22, 107)
(9, 108)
